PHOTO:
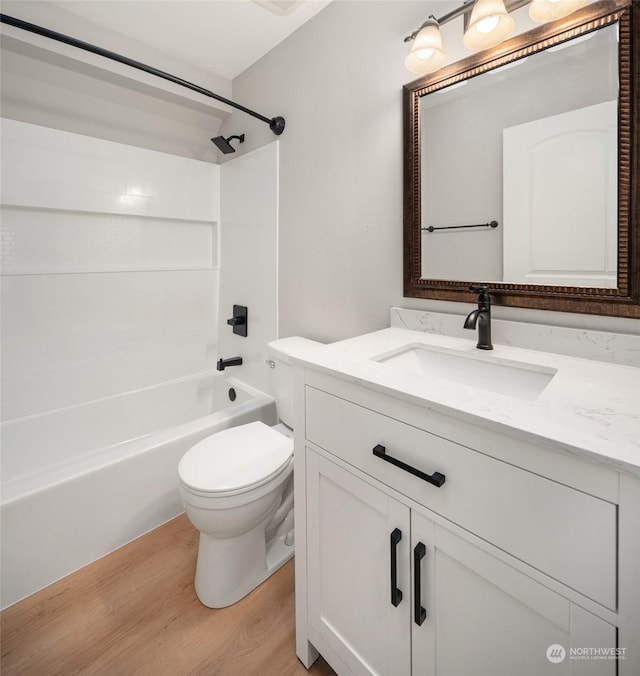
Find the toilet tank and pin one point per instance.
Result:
(280, 353)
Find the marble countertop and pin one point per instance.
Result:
(590, 409)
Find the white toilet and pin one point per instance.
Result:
(237, 490)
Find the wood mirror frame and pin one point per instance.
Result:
(623, 301)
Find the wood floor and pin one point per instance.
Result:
(135, 612)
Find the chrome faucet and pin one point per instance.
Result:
(482, 317)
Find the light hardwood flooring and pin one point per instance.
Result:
(135, 612)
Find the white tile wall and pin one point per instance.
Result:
(41, 241)
(67, 339)
(53, 169)
(249, 261)
(110, 268)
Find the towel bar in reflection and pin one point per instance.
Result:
(432, 228)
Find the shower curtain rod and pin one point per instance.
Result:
(276, 124)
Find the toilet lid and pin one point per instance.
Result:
(236, 458)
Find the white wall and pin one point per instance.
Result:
(110, 268)
(338, 82)
(249, 260)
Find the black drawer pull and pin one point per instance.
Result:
(436, 478)
(396, 594)
(419, 613)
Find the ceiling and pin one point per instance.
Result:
(221, 36)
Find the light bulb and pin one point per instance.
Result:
(487, 24)
(424, 53)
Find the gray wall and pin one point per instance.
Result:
(338, 82)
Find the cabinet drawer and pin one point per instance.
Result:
(563, 532)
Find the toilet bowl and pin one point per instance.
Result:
(237, 489)
(232, 485)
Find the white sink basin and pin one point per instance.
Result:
(511, 378)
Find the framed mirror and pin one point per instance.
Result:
(521, 169)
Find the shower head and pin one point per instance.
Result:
(223, 143)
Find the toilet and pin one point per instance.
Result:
(237, 489)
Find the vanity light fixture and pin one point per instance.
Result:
(486, 24)
(426, 54)
(489, 25)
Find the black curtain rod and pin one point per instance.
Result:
(276, 124)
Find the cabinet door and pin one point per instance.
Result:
(354, 534)
(485, 617)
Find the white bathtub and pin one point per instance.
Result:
(82, 481)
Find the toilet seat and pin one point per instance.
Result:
(235, 460)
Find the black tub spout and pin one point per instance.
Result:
(223, 363)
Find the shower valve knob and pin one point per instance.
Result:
(239, 320)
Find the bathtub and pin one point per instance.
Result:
(105, 472)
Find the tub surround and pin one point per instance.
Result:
(528, 501)
(249, 266)
(103, 242)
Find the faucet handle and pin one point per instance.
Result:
(239, 320)
(479, 288)
(484, 299)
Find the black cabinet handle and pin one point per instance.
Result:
(396, 594)
(419, 613)
(436, 478)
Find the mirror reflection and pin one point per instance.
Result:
(533, 147)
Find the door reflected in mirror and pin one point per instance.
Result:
(532, 145)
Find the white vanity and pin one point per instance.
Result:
(461, 512)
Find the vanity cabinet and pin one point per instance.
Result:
(397, 575)
(392, 592)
